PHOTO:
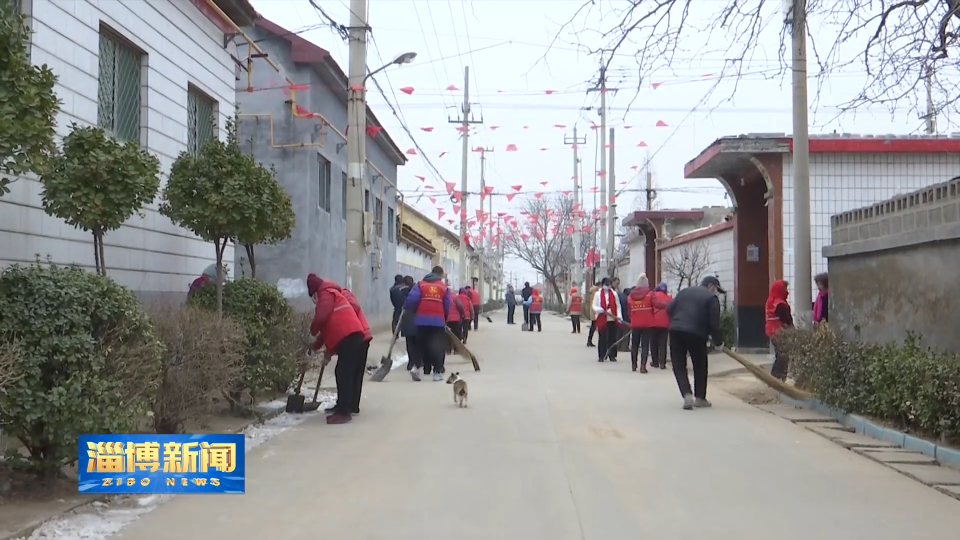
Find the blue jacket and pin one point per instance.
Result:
(412, 305)
(407, 328)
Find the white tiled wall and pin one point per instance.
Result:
(183, 47)
(720, 247)
(841, 182)
(414, 259)
(638, 262)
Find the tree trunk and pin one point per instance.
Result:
(252, 259)
(103, 261)
(556, 289)
(96, 253)
(220, 248)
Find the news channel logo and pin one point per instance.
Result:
(131, 463)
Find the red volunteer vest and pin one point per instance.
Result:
(467, 305)
(342, 322)
(773, 323)
(576, 305)
(660, 317)
(536, 306)
(641, 312)
(431, 298)
(608, 302)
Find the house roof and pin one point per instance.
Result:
(411, 237)
(640, 217)
(303, 51)
(445, 232)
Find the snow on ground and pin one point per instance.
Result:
(399, 361)
(100, 520)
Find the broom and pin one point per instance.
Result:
(769, 379)
(462, 349)
(386, 362)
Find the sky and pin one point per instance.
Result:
(529, 74)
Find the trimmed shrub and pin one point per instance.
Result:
(87, 359)
(915, 387)
(268, 322)
(205, 358)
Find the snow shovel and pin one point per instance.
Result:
(386, 362)
(295, 402)
(462, 349)
(314, 405)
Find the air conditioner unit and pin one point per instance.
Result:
(367, 228)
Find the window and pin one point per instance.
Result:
(118, 96)
(323, 202)
(343, 194)
(201, 119)
(378, 215)
(366, 200)
(391, 226)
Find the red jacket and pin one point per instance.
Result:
(467, 305)
(609, 301)
(355, 304)
(641, 307)
(334, 317)
(778, 296)
(660, 302)
(475, 297)
(457, 310)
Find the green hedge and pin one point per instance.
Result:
(907, 384)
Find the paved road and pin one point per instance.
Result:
(555, 446)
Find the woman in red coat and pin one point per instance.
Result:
(468, 314)
(658, 330)
(338, 328)
(640, 302)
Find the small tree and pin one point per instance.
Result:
(688, 262)
(216, 194)
(274, 221)
(96, 183)
(28, 104)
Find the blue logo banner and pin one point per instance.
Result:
(162, 464)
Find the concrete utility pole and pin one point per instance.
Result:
(575, 142)
(358, 269)
(931, 116)
(802, 269)
(481, 246)
(649, 185)
(465, 122)
(602, 88)
(611, 210)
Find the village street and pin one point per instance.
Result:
(555, 446)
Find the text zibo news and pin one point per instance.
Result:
(134, 463)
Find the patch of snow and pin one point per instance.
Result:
(399, 361)
(101, 520)
(291, 288)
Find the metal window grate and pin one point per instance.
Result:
(343, 194)
(378, 216)
(325, 184)
(118, 107)
(391, 226)
(201, 120)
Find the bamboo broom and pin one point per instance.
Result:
(769, 379)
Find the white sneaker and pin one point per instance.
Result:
(415, 373)
(437, 376)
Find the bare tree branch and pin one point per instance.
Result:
(687, 263)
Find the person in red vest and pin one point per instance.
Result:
(468, 312)
(640, 301)
(367, 338)
(606, 308)
(661, 321)
(430, 301)
(475, 299)
(778, 316)
(456, 318)
(536, 308)
(338, 328)
(574, 309)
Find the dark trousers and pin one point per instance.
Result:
(607, 336)
(535, 321)
(593, 329)
(457, 329)
(658, 347)
(432, 342)
(781, 364)
(511, 308)
(464, 332)
(414, 354)
(351, 364)
(640, 340)
(476, 316)
(396, 319)
(682, 344)
(526, 315)
(575, 321)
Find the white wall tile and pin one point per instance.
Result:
(720, 247)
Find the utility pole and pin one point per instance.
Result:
(358, 270)
(481, 247)
(465, 123)
(802, 270)
(575, 142)
(931, 116)
(649, 185)
(602, 88)
(611, 209)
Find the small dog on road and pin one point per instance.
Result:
(459, 389)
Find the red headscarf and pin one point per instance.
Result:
(778, 294)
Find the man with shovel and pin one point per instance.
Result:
(337, 326)
(429, 303)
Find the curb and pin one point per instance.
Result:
(26, 531)
(861, 425)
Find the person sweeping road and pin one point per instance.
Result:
(640, 301)
(575, 309)
(606, 306)
(778, 316)
(468, 313)
(430, 301)
(337, 327)
(694, 316)
(661, 321)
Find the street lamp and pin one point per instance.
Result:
(400, 60)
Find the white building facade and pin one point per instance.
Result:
(698, 254)
(152, 71)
